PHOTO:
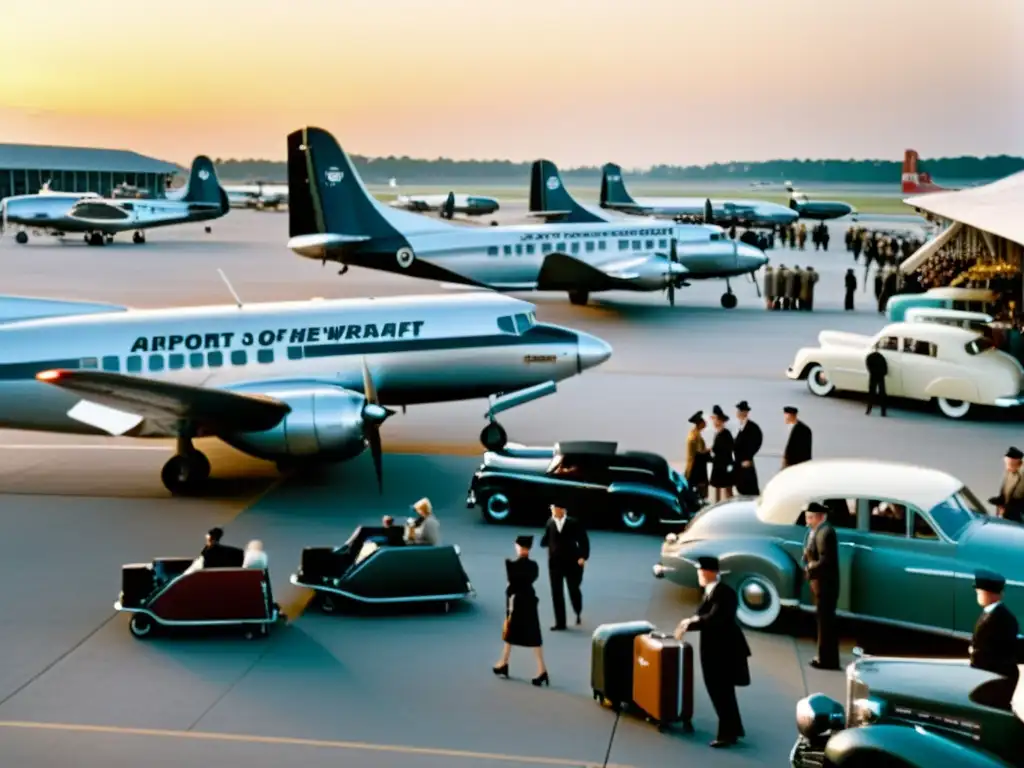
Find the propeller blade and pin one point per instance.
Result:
(369, 390)
(672, 294)
(377, 452)
(373, 416)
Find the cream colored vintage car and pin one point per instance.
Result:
(954, 367)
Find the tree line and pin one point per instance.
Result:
(378, 170)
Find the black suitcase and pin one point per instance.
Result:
(611, 661)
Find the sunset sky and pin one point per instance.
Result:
(584, 82)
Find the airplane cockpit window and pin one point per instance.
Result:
(506, 324)
(523, 323)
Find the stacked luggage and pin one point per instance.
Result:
(636, 668)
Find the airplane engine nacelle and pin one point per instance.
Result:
(325, 422)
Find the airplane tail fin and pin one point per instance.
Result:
(550, 200)
(203, 185)
(613, 189)
(326, 194)
(915, 179)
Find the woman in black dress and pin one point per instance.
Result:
(522, 622)
(721, 456)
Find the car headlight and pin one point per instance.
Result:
(818, 716)
(864, 712)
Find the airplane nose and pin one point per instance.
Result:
(590, 351)
(748, 255)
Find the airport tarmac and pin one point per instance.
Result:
(411, 690)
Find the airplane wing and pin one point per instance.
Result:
(213, 411)
(564, 273)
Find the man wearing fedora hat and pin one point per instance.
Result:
(747, 444)
(1009, 503)
(723, 649)
(798, 445)
(821, 555)
(994, 643)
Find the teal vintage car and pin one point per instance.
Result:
(916, 712)
(910, 541)
(967, 299)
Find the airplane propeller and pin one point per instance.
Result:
(374, 415)
(673, 258)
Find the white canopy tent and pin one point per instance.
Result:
(995, 210)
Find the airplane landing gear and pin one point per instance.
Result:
(108, 239)
(186, 472)
(728, 298)
(494, 437)
(95, 238)
(579, 298)
(21, 238)
(139, 238)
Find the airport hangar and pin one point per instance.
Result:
(25, 168)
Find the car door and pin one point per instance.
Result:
(890, 348)
(920, 367)
(903, 571)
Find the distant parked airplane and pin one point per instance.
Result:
(916, 180)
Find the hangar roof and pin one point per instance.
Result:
(18, 157)
(994, 208)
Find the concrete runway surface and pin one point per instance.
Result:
(414, 689)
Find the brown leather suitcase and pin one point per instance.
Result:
(663, 679)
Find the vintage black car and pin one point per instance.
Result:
(914, 712)
(594, 481)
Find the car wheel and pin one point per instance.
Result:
(818, 382)
(140, 625)
(760, 604)
(633, 519)
(497, 508)
(953, 409)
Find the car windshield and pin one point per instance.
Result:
(955, 513)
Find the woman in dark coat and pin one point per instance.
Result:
(522, 622)
(721, 456)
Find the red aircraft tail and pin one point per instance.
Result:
(915, 180)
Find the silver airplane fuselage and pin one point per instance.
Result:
(419, 350)
(59, 213)
(752, 212)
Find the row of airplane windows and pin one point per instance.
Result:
(589, 245)
(176, 362)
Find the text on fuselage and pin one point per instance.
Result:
(268, 337)
(644, 232)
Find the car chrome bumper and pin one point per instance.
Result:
(792, 373)
(660, 570)
(1010, 402)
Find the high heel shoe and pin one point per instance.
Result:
(542, 680)
(501, 671)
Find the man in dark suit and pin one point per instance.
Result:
(798, 446)
(821, 554)
(215, 554)
(1009, 503)
(878, 369)
(723, 650)
(568, 551)
(745, 447)
(994, 645)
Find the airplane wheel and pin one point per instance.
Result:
(108, 239)
(96, 238)
(209, 230)
(21, 238)
(138, 238)
(494, 437)
(579, 298)
(140, 625)
(183, 475)
(729, 300)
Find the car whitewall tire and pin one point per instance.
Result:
(633, 519)
(819, 383)
(953, 409)
(140, 625)
(759, 602)
(497, 508)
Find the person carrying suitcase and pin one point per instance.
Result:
(723, 650)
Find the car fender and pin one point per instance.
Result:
(953, 388)
(764, 558)
(737, 557)
(644, 493)
(917, 747)
(803, 361)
